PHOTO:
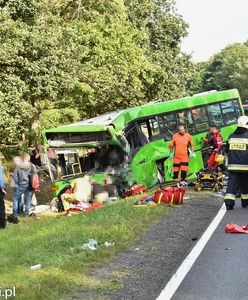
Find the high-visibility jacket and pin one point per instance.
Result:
(237, 148)
(181, 143)
(215, 140)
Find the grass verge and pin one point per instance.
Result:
(55, 243)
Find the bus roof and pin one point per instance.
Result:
(119, 119)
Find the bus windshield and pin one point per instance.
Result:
(78, 161)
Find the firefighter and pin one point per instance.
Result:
(215, 141)
(181, 141)
(237, 151)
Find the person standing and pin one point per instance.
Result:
(2, 194)
(35, 158)
(237, 166)
(181, 143)
(215, 140)
(22, 183)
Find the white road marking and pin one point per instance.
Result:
(186, 265)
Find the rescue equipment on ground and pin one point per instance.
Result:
(146, 201)
(235, 228)
(135, 190)
(170, 195)
(209, 180)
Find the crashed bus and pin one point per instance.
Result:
(131, 145)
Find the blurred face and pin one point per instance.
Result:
(213, 130)
(181, 129)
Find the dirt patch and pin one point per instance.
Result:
(150, 262)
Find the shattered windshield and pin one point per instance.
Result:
(73, 162)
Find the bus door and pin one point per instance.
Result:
(144, 170)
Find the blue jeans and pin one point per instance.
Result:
(17, 199)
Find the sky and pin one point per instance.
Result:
(213, 24)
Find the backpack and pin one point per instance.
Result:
(169, 195)
(34, 182)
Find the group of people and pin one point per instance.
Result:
(237, 158)
(181, 149)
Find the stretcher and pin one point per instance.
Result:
(209, 180)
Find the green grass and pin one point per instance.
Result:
(55, 244)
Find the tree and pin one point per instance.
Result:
(62, 60)
(194, 83)
(161, 31)
(36, 64)
(228, 69)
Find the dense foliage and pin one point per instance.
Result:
(225, 70)
(65, 60)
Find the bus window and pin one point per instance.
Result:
(154, 126)
(182, 117)
(214, 115)
(167, 125)
(200, 118)
(237, 108)
(228, 111)
(154, 129)
(69, 164)
(135, 137)
(144, 128)
(185, 118)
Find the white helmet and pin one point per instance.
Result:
(243, 121)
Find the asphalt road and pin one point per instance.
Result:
(151, 261)
(221, 270)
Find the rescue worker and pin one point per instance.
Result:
(237, 151)
(215, 140)
(181, 141)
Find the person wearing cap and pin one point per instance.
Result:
(237, 151)
(2, 194)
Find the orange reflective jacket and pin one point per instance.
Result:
(181, 142)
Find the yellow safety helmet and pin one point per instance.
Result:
(219, 159)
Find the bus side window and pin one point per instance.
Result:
(200, 118)
(228, 111)
(214, 114)
(135, 137)
(154, 129)
(167, 125)
(237, 108)
(185, 118)
(144, 127)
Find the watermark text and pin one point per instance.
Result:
(8, 292)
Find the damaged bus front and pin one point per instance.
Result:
(77, 149)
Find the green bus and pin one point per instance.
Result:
(131, 145)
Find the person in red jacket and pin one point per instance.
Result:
(181, 141)
(215, 140)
